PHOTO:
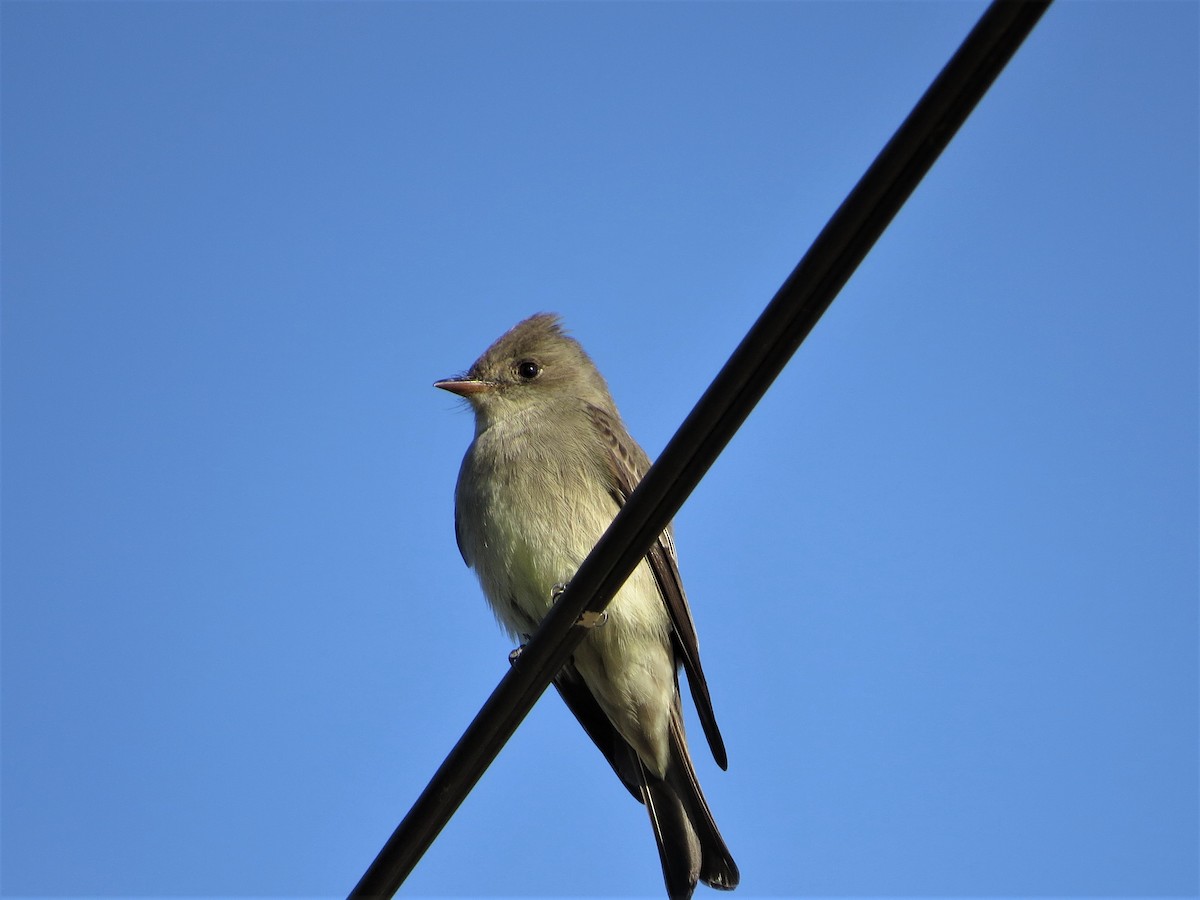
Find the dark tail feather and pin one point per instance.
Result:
(679, 848)
(717, 868)
(690, 847)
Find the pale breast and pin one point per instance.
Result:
(527, 516)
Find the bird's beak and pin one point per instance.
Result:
(464, 387)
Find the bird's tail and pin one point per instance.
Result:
(689, 845)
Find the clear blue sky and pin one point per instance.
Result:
(945, 578)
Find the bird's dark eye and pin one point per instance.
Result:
(527, 370)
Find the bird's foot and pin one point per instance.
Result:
(516, 654)
(587, 619)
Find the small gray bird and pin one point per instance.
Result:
(550, 465)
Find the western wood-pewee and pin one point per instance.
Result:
(550, 465)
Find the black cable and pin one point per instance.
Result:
(754, 365)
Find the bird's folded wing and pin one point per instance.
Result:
(627, 463)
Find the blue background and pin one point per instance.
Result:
(945, 578)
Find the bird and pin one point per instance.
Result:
(550, 464)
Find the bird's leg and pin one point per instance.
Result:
(587, 619)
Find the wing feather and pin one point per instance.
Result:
(627, 463)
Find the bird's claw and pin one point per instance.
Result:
(587, 619)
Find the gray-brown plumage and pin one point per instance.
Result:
(550, 465)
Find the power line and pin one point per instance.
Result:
(754, 365)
